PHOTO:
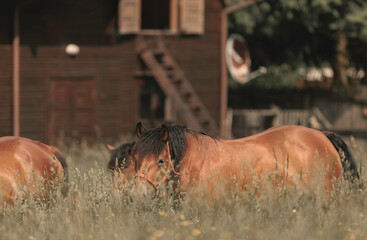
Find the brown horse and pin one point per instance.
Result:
(120, 163)
(298, 155)
(25, 163)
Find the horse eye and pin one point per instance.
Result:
(161, 161)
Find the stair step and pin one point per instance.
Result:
(158, 52)
(205, 123)
(167, 61)
(147, 73)
(186, 95)
(141, 74)
(196, 109)
(176, 77)
(172, 74)
(192, 103)
(176, 81)
(167, 67)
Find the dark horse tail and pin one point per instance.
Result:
(348, 162)
(60, 157)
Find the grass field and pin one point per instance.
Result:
(94, 210)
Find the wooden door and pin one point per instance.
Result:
(72, 109)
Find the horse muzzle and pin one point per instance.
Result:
(142, 188)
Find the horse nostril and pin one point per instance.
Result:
(142, 189)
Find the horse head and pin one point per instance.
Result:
(120, 163)
(152, 156)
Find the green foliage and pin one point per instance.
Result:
(301, 32)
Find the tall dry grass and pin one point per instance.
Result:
(94, 210)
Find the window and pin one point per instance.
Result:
(142, 16)
(155, 14)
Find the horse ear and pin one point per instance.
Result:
(111, 148)
(140, 130)
(128, 151)
(164, 133)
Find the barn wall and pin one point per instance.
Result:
(46, 28)
(5, 70)
(199, 57)
(5, 90)
(116, 103)
(44, 33)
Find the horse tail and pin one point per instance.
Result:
(62, 161)
(348, 162)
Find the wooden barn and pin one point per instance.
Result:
(132, 60)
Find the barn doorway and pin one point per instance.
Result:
(155, 14)
(72, 109)
(151, 103)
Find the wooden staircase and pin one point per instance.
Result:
(173, 82)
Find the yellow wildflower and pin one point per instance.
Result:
(156, 234)
(196, 232)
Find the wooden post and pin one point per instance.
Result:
(16, 68)
(173, 22)
(224, 81)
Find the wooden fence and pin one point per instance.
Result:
(245, 122)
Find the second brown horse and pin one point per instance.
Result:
(298, 155)
(120, 164)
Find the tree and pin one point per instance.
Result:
(287, 35)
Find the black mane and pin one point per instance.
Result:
(151, 143)
(118, 158)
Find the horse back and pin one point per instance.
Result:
(290, 150)
(28, 155)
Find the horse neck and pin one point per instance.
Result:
(200, 149)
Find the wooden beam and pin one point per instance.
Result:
(16, 75)
(224, 81)
(174, 16)
(239, 6)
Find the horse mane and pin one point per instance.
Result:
(151, 143)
